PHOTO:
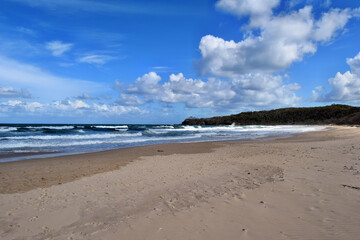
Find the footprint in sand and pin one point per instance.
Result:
(33, 219)
(324, 201)
(312, 208)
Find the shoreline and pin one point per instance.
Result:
(48, 169)
(303, 187)
(46, 172)
(22, 156)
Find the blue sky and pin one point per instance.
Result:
(77, 61)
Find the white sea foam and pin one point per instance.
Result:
(283, 128)
(88, 139)
(51, 127)
(69, 137)
(113, 127)
(164, 126)
(12, 145)
(7, 129)
(233, 129)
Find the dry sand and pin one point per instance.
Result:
(305, 187)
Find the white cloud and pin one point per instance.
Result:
(160, 68)
(9, 92)
(356, 12)
(330, 23)
(129, 100)
(42, 84)
(26, 31)
(96, 59)
(16, 106)
(65, 108)
(261, 90)
(118, 86)
(249, 90)
(345, 87)
(354, 64)
(247, 7)
(86, 96)
(117, 110)
(18, 47)
(70, 105)
(318, 4)
(195, 92)
(327, 3)
(147, 85)
(58, 48)
(272, 44)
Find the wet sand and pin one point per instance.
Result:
(22, 176)
(304, 187)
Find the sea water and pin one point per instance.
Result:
(80, 138)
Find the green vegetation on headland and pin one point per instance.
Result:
(333, 114)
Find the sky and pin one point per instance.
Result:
(161, 61)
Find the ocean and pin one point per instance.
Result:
(22, 141)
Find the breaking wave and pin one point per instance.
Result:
(86, 138)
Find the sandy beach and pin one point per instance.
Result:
(303, 187)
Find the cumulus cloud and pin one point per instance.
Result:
(86, 96)
(14, 106)
(354, 64)
(260, 90)
(195, 92)
(58, 48)
(146, 85)
(345, 87)
(96, 59)
(117, 110)
(249, 90)
(70, 105)
(129, 100)
(9, 92)
(248, 7)
(273, 42)
(66, 108)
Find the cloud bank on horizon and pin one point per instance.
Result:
(48, 74)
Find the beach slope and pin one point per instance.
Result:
(304, 187)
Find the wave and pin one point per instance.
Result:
(48, 144)
(66, 137)
(112, 127)
(121, 128)
(70, 138)
(164, 126)
(7, 129)
(52, 127)
(89, 142)
(248, 128)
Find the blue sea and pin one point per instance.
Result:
(65, 139)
